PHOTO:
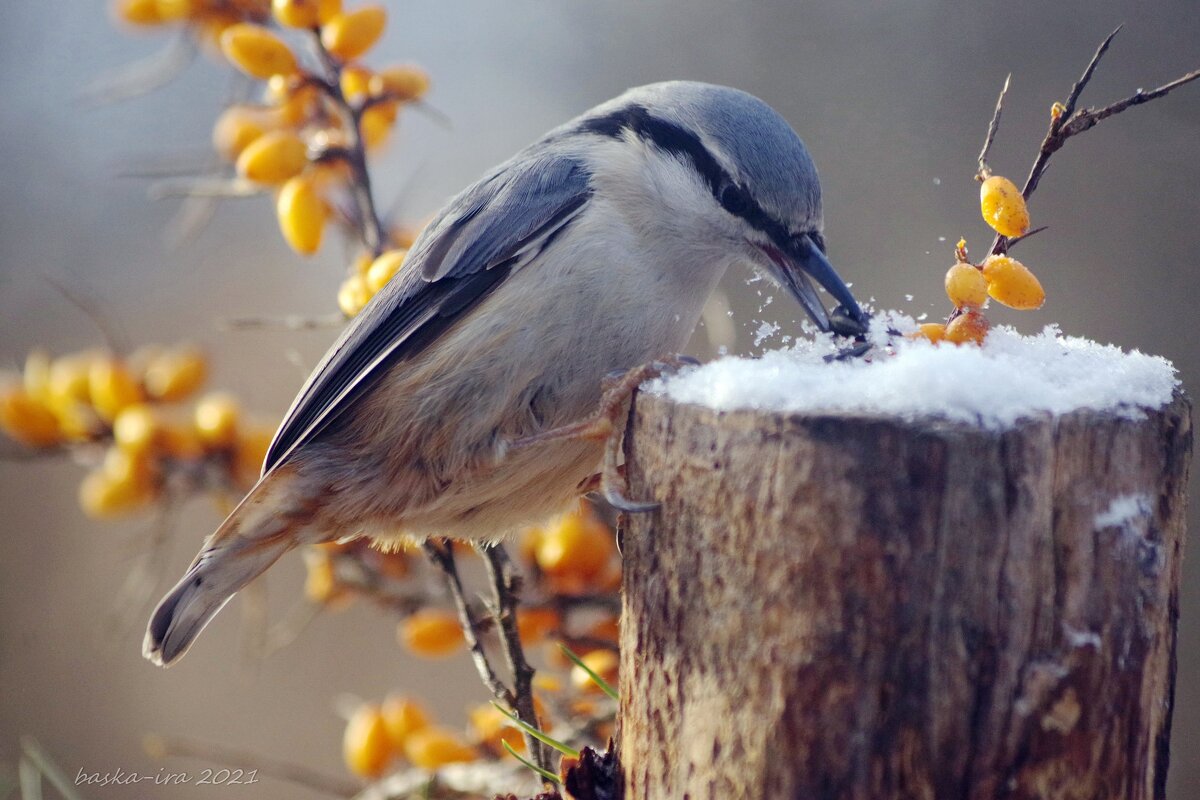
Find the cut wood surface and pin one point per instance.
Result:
(848, 606)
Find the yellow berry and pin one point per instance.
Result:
(320, 581)
(175, 10)
(236, 128)
(138, 12)
(384, 268)
(965, 286)
(69, 378)
(25, 419)
(256, 51)
(304, 13)
(179, 442)
(273, 158)
(432, 633)
(578, 544)
(535, 624)
(967, 327)
(355, 82)
(293, 99)
(492, 728)
(376, 123)
(249, 454)
(175, 374)
(353, 295)
(405, 83)
(112, 387)
(365, 746)
(302, 214)
(36, 374)
(350, 34)
(136, 428)
(402, 717)
(104, 495)
(1011, 283)
(602, 662)
(1003, 206)
(933, 331)
(216, 419)
(434, 747)
(127, 467)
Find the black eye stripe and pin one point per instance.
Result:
(670, 138)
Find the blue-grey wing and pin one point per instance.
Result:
(482, 236)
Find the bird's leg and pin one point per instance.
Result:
(618, 388)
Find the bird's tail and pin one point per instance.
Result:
(246, 544)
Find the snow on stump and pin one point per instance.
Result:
(951, 572)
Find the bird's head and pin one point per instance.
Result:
(756, 181)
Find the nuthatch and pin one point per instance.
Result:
(593, 250)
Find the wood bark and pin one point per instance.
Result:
(844, 606)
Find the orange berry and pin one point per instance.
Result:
(175, 374)
(175, 10)
(69, 378)
(402, 717)
(353, 295)
(535, 624)
(365, 745)
(376, 123)
(967, 327)
(965, 286)
(602, 662)
(138, 12)
(180, 442)
(136, 428)
(256, 51)
(112, 387)
(216, 419)
(236, 128)
(1003, 207)
(350, 34)
(294, 100)
(120, 486)
(273, 158)
(36, 374)
(249, 453)
(304, 13)
(933, 331)
(578, 544)
(320, 577)
(384, 268)
(491, 728)
(1011, 283)
(432, 633)
(355, 82)
(302, 215)
(26, 420)
(435, 746)
(405, 83)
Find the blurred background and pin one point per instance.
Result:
(892, 98)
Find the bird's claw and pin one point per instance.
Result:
(617, 499)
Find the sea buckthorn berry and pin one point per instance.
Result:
(365, 745)
(136, 428)
(293, 99)
(304, 13)
(1003, 206)
(353, 295)
(1011, 283)
(320, 578)
(384, 268)
(355, 82)
(69, 379)
(432, 633)
(933, 331)
(405, 83)
(249, 453)
(535, 624)
(112, 387)
(351, 33)
(25, 419)
(175, 374)
(492, 728)
(175, 10)
(965, 286)
(435, 746)
(376, 123)
(402, 717)
(602, 662)
(216, 419)
(302, 214)
(138, 12)
(180, 442)
(236, 128)
(273, 158)
(968, 327)
(578, 544)
(102, 496)
(256, 51)
(127, 467)
(35, 375)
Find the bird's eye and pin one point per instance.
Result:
(734, 200)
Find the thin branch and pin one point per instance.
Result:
(204, 187)
(984, 171)
(144, 76)
(291, 322)
(1026, 235)
(45, 765)
(442, 556)
(251, 762)
(114, 337)
(506, 590)
(1089, 117)
(1086, 77)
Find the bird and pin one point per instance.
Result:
(588, 253)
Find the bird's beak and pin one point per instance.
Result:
(793, 267)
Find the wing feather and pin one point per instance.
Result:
(483, 235)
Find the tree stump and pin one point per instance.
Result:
(848, 606)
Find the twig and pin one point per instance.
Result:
(442, 556)
(506, 590)
(251, 762)
(144, 76)
(370, 226)
(204, 187)
(114, 337)
(291, 322)
(984, 171)
(1067, 122)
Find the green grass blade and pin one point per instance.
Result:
(596, 679)
(565, 749)
(545, 773)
